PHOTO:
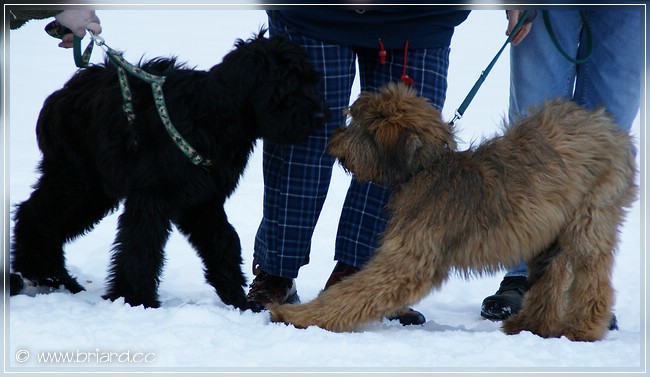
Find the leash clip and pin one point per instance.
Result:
(456, 117)
(81, 59)
(99, 40)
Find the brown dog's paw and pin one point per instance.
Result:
(282, 314)
(584, 335)
(276, 314)
(518, 323)
(511, 326)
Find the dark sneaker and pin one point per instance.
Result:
(507, 300)
(405, 316)
(267, 289)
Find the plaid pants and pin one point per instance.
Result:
(297, 177)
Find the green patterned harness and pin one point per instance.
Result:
(124, 67)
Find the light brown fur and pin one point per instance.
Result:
(552, 190)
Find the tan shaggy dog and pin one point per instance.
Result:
(552, 190)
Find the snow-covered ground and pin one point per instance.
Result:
(193, 331)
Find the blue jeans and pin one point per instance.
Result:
(610, 78)
(297, 177)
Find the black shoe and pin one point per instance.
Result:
(406, 316)
(267, 289)
(507, 300)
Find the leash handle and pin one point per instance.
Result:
(56, 30)
(81, 59)
(470, 96)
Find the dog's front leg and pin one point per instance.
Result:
(401, 272)
(136, 264)
(207, 228)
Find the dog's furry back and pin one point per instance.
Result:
(552, 190)
(538, 173)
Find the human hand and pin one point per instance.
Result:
(67, 41)
(78, 20)
(513, 18)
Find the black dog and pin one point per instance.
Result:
(93, 160)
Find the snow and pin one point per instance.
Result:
(193, 331)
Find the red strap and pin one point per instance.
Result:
(382, 53)
(405, 78)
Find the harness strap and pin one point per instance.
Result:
(127, 98)
(156, 82)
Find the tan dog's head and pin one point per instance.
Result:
(391, 135)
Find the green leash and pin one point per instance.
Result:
(470, 96)
(124, 67)
(588, 40)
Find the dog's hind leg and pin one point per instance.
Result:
(63, 206)
(399, 274)
(593, 236)
(544, 304)
(217, 243)
(138, 256)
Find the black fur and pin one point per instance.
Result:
(93, 161)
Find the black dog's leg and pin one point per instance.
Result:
(62, 207)
(217, 243)
(138, 255)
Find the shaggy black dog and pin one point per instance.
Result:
(93, 160)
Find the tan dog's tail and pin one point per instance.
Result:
(395, 277)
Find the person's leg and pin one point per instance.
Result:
(538, 71)
(612, 75)
(297, 177)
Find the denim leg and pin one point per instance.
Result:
(520, 270)
(538, 72)
(297, 177)
(363, 218)
(612, 76)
